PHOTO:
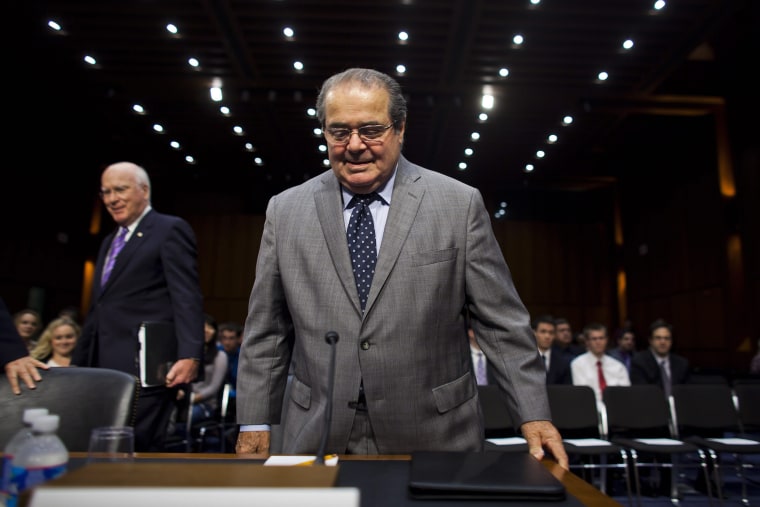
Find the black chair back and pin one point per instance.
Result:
(574, 410)
(641, 410)
(84, 398)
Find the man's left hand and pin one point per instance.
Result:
(543, 434)
(184, 371)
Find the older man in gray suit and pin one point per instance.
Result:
(404, 379)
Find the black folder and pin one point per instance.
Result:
(158, 352)
(489, 475)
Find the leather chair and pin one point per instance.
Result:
(84, 398)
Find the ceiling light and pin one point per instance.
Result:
(216, 93)
(468, 152)
(540, 154)
(401, 69)
(483, 117)
(602, 76)
(529, 168)
(258, 161)
(175, 145)
(298, 65)
(475, 136)
(288, 32)
(322, 148)
(403, 36)
(55, 26)
(659, 5)
(518, 39)
(224, 110)
(190, 159)
(317, 132)
(90, 60)
(137, 108)
(627, 44)
(193, 62)
(552, 138)
(249, 146)
(487, 101)
(503, 72)
(238, 130)
(157, 127)
(172, 28)
(462, 166)
(326, 162)
(311, 112)
(567, 120)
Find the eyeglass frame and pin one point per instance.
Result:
(370, 142)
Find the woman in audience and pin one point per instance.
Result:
(28, 324)
(57, 342)
(204, 395)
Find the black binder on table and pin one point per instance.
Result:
(158, 352)
(489, 475)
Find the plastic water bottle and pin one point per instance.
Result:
(43, 457)
(7, 492)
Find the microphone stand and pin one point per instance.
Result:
(331, 337)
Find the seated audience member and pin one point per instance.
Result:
(594, 368)
(754, 365)
(56, 344)
(625, 347)
(563, 340)
(557, 364)
(230, 339)
(28, 324)
(658, 365)
(204, 395)
(21, 369)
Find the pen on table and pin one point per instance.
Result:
(313, 460)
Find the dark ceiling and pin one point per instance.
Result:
(681, 58)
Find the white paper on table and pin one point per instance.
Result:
(508, 441)
(586, 442)
(734, 441)
(282, 460)
(658, 441)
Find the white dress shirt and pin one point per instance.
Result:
(583, 369)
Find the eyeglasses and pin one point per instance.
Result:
(117, 191)
(369, 134)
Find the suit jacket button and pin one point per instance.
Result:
(365, 345)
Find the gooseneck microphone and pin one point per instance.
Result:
(331, 337)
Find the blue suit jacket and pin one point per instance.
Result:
(155, 278)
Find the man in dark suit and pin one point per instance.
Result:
(405, 378)
(658, 365)
(146, 271)
(14, 356)
(556, 362)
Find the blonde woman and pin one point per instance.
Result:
(57, 342)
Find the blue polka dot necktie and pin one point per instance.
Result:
(361, 244)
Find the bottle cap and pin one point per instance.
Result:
(31, 413)
(46, 423)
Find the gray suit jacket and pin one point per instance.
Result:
(438, 256)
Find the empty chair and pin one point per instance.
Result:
(575, 414)
(638, 419)
(705, 415)
(84, 398)
(501, 431)
(747, 396)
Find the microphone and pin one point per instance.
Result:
(331, 337)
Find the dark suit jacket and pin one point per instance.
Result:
(12, 347)
(438, 256)
(155, 278)
(559, 368)
(646, 370)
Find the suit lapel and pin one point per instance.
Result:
(328, 202)
(405, 202)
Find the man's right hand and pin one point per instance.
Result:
(253, 442)
(24, 369)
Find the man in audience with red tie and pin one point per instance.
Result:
(595, 368)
